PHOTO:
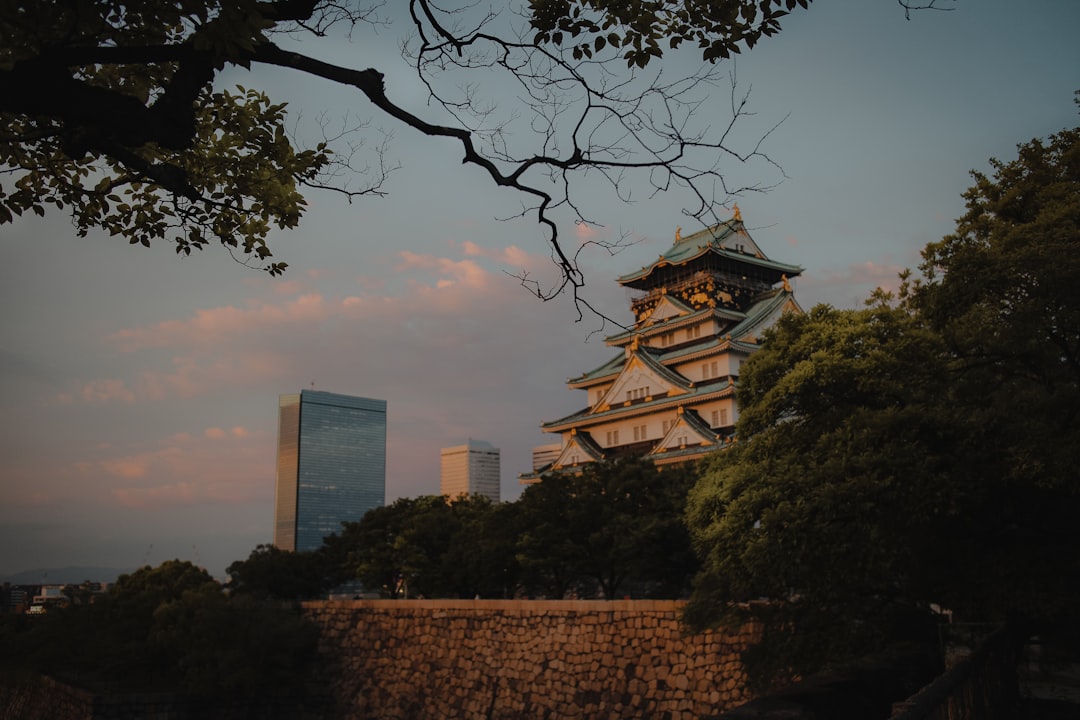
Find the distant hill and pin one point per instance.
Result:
(65, 575)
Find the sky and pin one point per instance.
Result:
(140, 388)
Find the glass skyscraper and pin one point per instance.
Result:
(331, 465)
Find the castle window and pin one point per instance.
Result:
(693, 332)
(612, 438)
(710, 370)
(638, 393)
(640, 432)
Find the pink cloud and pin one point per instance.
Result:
(219, 466)
(210, 326)
(449, 272)
(106, 391)
(850, 286)
(584, 231)
(885, 275)
(178, 494)
(510, 255)
(134, 467)
(272, 344)
(411, 260)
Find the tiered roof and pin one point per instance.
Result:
(728, 241)
(717, 278)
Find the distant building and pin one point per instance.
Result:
(331, 465)
(470, 469)
(669, 395)
(544, 455)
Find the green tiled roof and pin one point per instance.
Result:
(759, 315)
(675, 322)
(710, 240)
(660, 369)
(694, 393)
(611, 367)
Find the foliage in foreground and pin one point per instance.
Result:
(270, 573)
(115, 113)
(169, 628)
(616, 529)
(918, 453)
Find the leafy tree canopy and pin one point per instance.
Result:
(917, 452)
(173, 628)
(645, 29)
(114, 112)
(272, 573)
(615, 529)
(841, 471)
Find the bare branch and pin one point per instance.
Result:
(910, 6)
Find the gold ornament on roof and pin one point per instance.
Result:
(678, 234)
(787, 285)
(735, 213)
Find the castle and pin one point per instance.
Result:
(669, 395)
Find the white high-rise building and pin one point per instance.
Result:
(470, 469)
(545, 455)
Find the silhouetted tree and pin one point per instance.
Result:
(916, 452)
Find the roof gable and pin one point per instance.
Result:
(641, 378)
(666, 309)
(579, 449)
(687, 430)
(764, 314)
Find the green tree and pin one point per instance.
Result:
(824, 506)
(272, 573)
(615, 528)
(397, 549)
(549, 547)
(480, 559)
(173, 628)
(1002, 293)
(115, 113)
(916, 453)
(235, 647)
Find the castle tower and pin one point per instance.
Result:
(669, 394)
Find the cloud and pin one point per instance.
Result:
(850, 286)
(511, 256)
(447, 345)
(584, 231)
(133, 467)
(217, 467)
(106, 391)
(214, 325)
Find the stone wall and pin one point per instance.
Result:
(417, 659)
(29, 697)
